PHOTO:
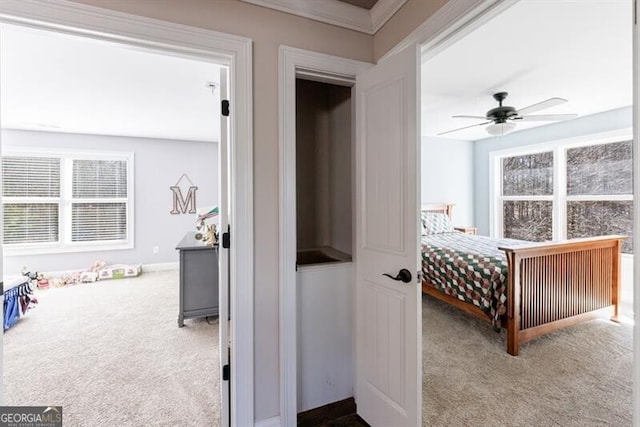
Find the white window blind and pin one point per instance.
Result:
(92, 222)
(31, 177)
(31, 188)
(105, 183)
(30, 223)
(99, 179)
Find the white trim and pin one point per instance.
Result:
(559, 205)
(548, 198)
(60, 248)
(382, 11)
(338, 13)
(599, 198)
(579, 141)
(241, 254)
(495, 188)
(161, 266)
(233, 51)
(314, 268)
(269, 422)
(293, 62)
(636, 235)
(449, 24)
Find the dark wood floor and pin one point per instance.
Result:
(353, 420)
(337, 414)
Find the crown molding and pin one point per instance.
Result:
(383, 11)
(337, 13)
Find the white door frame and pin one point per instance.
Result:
(224, 49)
(294, 63)
(636, 207)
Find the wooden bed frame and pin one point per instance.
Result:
(551, 285)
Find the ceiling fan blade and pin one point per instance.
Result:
(546, 117)
(470, 117)
(551, 102)
(466, 127)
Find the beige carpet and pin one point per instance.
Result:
(580, 376)
(111, 354)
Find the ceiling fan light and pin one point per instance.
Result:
(499, 129)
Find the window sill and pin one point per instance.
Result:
(52, 250)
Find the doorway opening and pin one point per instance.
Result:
(324, 243)
(484, 191)
(234, 53)
(89, 225)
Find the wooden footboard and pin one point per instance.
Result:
(553, 285)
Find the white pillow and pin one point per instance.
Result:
(435, 223)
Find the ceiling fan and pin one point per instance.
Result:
(503, 117)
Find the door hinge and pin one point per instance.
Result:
(226, 240)
(226, 372)
(225, 107)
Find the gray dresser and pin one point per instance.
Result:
(198, 279)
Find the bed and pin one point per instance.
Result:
(530, 289)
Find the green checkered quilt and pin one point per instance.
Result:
(470, 268)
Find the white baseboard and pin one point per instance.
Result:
(161, 266)
(269, 422)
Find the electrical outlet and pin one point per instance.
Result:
(156, 249)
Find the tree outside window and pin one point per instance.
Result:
(568, 192)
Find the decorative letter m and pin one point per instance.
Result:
(183, 204)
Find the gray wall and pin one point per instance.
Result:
(447, 176)
(603, 122)
(158, 164)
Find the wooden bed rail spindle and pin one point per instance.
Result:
(617, 279)
(513, 310)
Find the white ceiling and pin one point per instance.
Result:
(535, 50)
(61, 83)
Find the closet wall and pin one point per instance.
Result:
(323, 166)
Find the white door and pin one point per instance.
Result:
(223, 253)
(388, 312)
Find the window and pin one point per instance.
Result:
(566, 191)
(527, 195)
(600, 191)
(66, 201)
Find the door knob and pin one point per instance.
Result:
(404, 275)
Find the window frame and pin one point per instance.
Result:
(559, 197)
(66, 201)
